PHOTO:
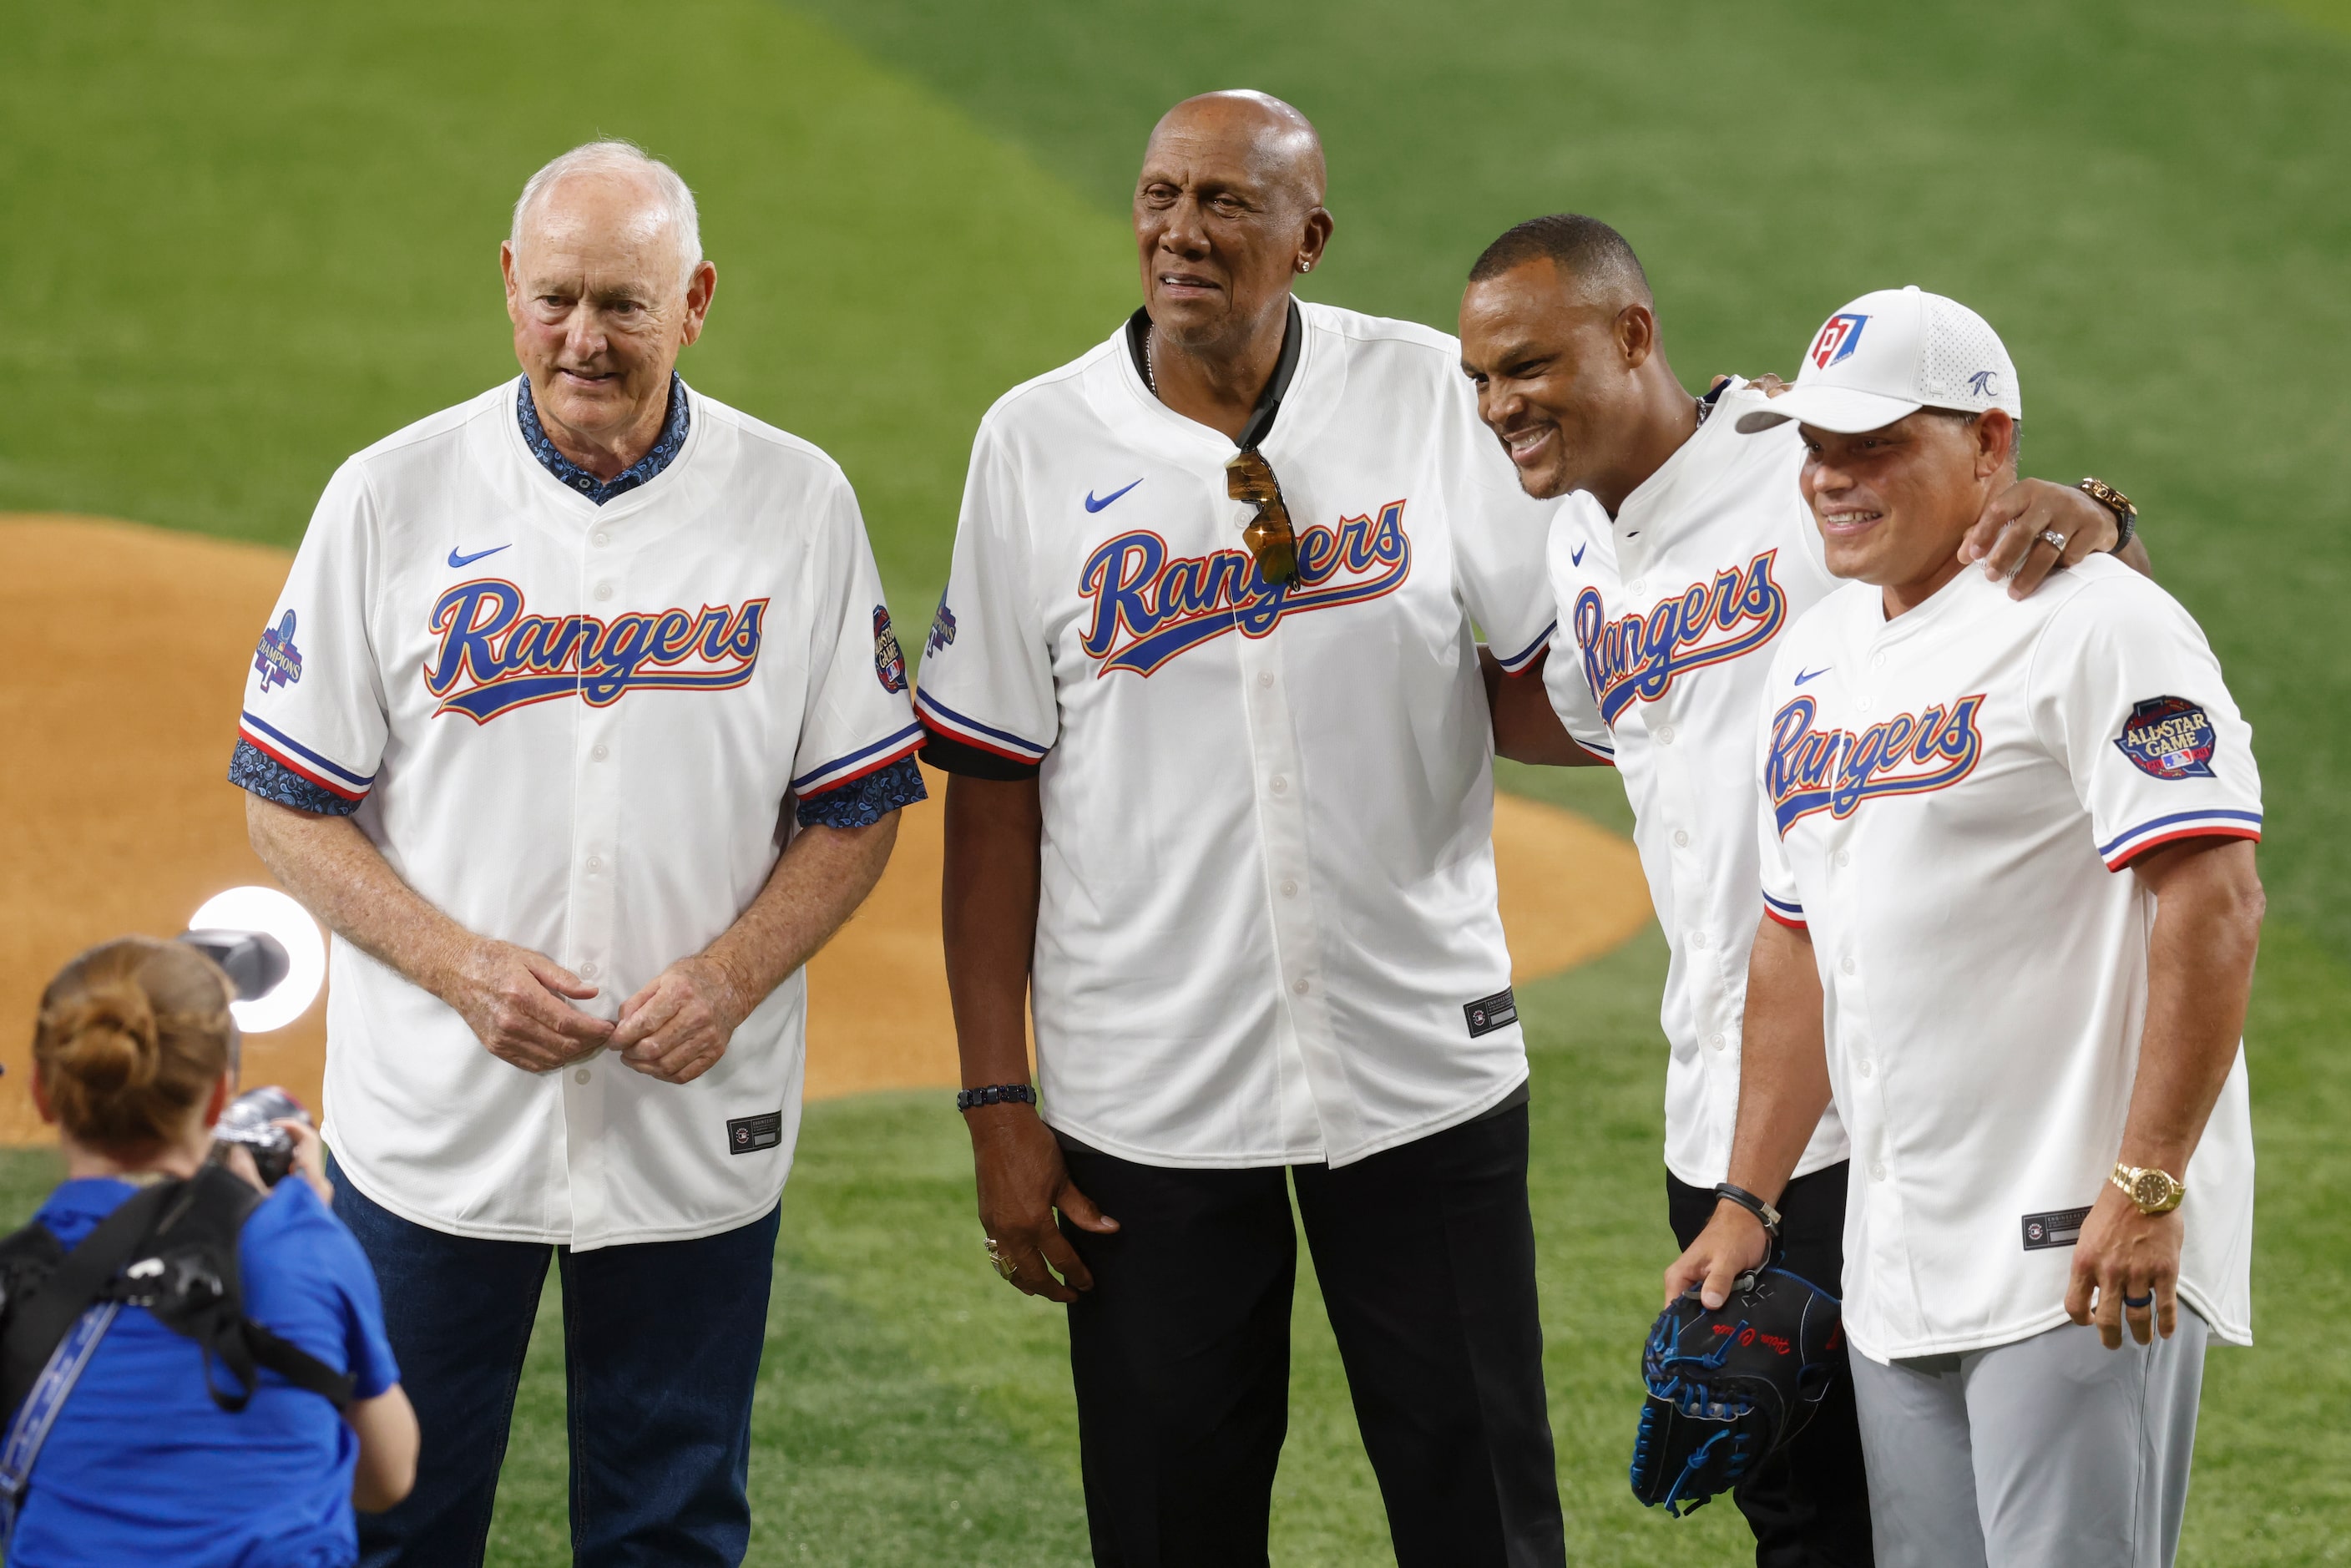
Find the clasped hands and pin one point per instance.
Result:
(519, 1005)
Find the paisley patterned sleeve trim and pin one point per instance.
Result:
(861, 802)
(252, 771)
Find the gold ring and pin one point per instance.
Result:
(1005, 1266)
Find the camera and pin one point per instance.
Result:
(251, 1120)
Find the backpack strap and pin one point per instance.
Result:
(37, 1324)
(189, 1281)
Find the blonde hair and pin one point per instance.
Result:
(132, 1036)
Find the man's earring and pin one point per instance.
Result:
(1305, 266)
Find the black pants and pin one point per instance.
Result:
(1181, 1351)
(1808, 1503)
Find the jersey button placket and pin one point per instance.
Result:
(594, 894)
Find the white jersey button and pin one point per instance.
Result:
(1878, 663)
(1844, 857)
(603, 591)
(1279, 785)
(1847, 965)
(588, 970)
(1290, 889)
(1638, 585)
(596, 862)
(1715, 1039)
(1299, 987)
(1681, 839)
(1877, 1170)
(1665, 735)
(582, 1076)
(601, 752)
(603, 538)
(1264, 679)
(1698, 940)
(1865, 1067)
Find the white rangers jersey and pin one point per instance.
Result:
(1948, 798)
(582, 729)
(1667, 617)
(1268, 930)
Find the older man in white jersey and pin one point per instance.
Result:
(1206, 676)
(2007, 858)
(1683, 556)
(581, 723)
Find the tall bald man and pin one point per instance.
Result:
(1205, 677)
(582, 724)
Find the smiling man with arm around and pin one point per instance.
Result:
(582, 723)
(2007, 856)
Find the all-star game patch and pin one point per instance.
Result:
(889, 663)
(2169, 738)
(277, 660)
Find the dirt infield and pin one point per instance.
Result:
(125, 649)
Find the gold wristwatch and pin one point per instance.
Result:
(2153, 1191)
(2115, 501)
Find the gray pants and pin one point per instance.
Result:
(2053, 1452)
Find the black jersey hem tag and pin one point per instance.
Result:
(2058, 1228)
(748, 1135)
(1488, 1014)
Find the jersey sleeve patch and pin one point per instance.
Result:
(2169, 738)
(866, 799)
(276, 660)
(291, 754)
(944, 722)
(2213, 823)
(1786, 912)
(889, 661)
(866, 759)
(257, 773)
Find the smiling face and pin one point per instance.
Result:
(1227, 210)
(600, 304)
(1555, 363)
(1893, 504)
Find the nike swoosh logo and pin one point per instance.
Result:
(463, 561)
(1578, 557)
(1094, 505)
(1813, 674)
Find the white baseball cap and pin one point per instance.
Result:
(1890, 354)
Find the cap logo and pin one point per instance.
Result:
(1984, 383)
(1838, 340)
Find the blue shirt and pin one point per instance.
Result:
(142, 1466)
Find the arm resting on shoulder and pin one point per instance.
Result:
(2200, 977)
(512, 999)
(995, 837)
(1526, 728)
(386, 1426)
(678, 1025)
(1783, 1089)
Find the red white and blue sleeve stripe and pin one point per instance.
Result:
(943, 721)
(273, 765)
(2212, 823)
(866, 759)
(1786, 912)
(1514, 663)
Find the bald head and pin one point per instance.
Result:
(1277, 140)
(1228, 213)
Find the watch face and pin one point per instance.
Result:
(2150, 1189)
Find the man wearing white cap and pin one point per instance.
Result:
(2037, 1059)
(1560, 333)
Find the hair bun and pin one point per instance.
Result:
(107, 1039)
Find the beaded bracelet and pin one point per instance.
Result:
(995, 1094)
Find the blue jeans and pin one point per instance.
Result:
(660, 1348)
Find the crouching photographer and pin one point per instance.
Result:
(193, 1364)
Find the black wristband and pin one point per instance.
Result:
(995, 1094)
(1752, 1205)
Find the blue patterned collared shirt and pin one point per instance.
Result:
(575, 477)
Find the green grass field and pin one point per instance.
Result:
(243, 240)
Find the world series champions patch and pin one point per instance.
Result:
(277, 660)
(889, 663)
(2169, 738)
